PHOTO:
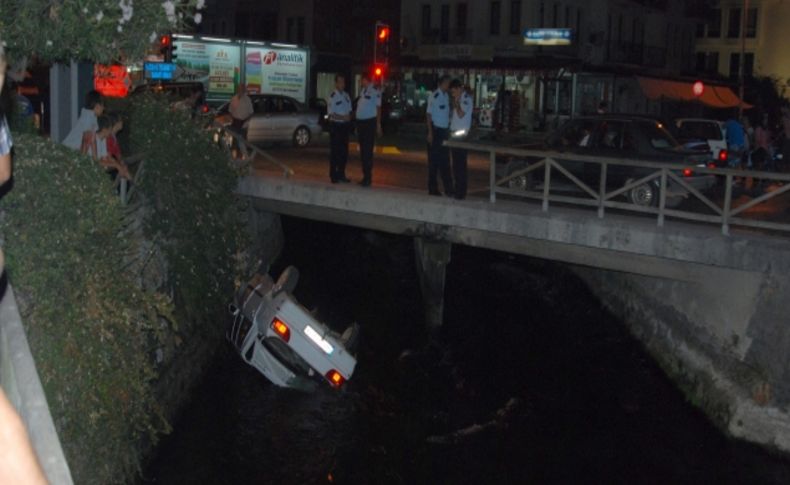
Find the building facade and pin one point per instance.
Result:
(483, 41)
(764, 26)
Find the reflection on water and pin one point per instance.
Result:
(531, 381)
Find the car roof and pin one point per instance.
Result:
(698, 120)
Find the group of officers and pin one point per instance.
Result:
(448, 116)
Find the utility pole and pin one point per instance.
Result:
(741, 64)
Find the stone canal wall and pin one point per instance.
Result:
(723, 342)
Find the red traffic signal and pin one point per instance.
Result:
(382, 32)
(165, 41)
(379, 71)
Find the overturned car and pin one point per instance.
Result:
(282, 340)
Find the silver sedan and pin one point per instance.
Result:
(277, 119)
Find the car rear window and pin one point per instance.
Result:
(699, 130)
(657, 135)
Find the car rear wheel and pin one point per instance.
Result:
(301, 137)
(644, 195)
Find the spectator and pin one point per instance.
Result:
(113, 148)
(82, 134)
(6, 143)
(736, 142)
(112, 165)
(191, 104)
(240, 109)
(763, 146)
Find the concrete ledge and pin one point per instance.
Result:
(19, 378)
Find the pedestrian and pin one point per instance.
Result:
(763, 155)
(736, 142)
(437, 117)
(460, 125)
(339, 111)
(6, 142)
(603, 108)
(240, 109)
(83, 132)
(368, 126)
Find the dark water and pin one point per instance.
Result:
(531, 381)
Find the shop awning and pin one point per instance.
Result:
(713, 96)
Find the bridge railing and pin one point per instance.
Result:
(241, 150)
(653, 188)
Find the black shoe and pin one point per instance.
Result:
(434, 192)
(344, 179)
(334, 181)
(365, 183)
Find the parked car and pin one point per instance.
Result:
(276, 119)
(699, 133)
(283, 341)
(616, 137)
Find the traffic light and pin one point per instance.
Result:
(382, 42)
(378, 72)
(165, 44)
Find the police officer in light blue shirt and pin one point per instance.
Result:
(338, 108)
(438, 120)
(460, 124)
(368, 125)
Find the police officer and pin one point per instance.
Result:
(460, 124)
(368, 125)
(438, 120)
(338, 107)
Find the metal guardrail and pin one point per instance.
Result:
(669, 176)
(20, 381)
(247, 151)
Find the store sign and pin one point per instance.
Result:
(159, 71)
(217, 66)
(457, 52)
(548, 36)
(111, 81)
(270, 70)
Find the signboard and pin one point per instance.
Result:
(275, 70)
(548, 36)
(159, 70)
(111, 81)
(216, 65)
(457, 52)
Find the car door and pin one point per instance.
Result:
(287, 118)
(576, 137)
(260, 126)
(614, 141)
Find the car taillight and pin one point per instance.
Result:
(204, 108)
(281, 329)
(335, 378)
(722, 155)
(711, 165)
(687, 172)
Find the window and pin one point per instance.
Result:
(300, 30)
(699, 130)
(701, 59)
(734, 23)
(426, 19)
(714, 23)
(567, 16)
(496, 11)
(748, 64)
(712, 62)
(658, 135)
(285, 105)
(515, 17)
(555, 16)
(542, 14)
(735, 65)
(460, 18)
(700, 30)
(444, 23)
(619, 29)
(289, 29)
(751, 23)
(579, 24)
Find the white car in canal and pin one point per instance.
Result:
(283, 341)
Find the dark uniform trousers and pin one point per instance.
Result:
(459, 171)
(366, 133)
(439, 161)
(338, 152)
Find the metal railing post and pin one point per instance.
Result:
(602, 190)
(546, 183)
(725, 215)
(492, 177)
(662, 200)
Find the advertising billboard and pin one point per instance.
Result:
(216, 65)
(274, 70)
(548, 36)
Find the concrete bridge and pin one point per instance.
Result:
(709, 307)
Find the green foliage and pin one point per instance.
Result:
(90, 328)
(188, 185)
(98, 30)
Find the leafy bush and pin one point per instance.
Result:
(99, 331)
(88, 324)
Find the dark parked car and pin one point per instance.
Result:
(616, 137)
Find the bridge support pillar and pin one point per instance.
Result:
(432, 257)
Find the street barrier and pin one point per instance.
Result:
(668, 178)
